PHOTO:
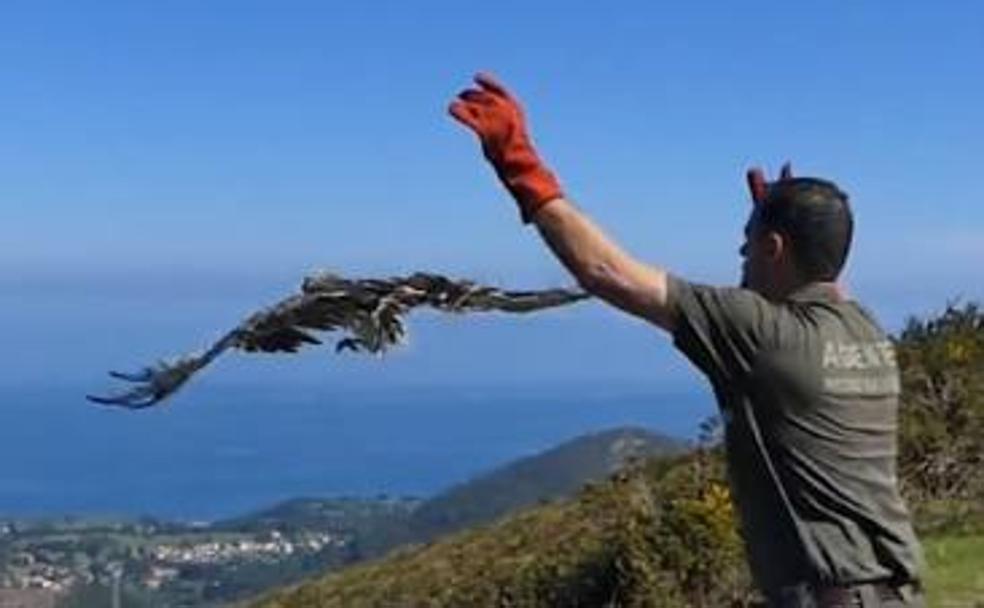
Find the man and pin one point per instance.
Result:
(805, 379)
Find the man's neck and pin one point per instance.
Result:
(834, 288)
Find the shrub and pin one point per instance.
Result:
(941, 360)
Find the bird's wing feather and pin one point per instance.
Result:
(371, 311)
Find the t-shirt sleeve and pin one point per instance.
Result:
(721, 330)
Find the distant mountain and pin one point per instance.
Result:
(556, 473)
(378, 524)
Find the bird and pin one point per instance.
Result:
(370, 312)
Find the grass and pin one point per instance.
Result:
(955, 576)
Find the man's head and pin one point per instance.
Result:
(799, 232)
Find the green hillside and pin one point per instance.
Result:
(660, 533)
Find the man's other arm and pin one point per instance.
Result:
(601, 267)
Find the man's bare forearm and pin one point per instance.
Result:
(602, 267)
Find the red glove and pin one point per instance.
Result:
(497, 118)
(759, 187)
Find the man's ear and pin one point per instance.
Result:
(775, 245)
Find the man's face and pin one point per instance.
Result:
(757, 266)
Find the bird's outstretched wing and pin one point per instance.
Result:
(370, 311)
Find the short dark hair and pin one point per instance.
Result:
(816, 216)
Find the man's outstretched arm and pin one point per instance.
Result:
(601, 267)
(598, 263)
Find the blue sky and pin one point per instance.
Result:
(165, 167)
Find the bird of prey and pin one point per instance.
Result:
(370, 311)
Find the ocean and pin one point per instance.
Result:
(222, 451)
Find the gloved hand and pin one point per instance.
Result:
(758, 187)
(497, 118)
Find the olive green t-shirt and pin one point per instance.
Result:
(809, 390)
